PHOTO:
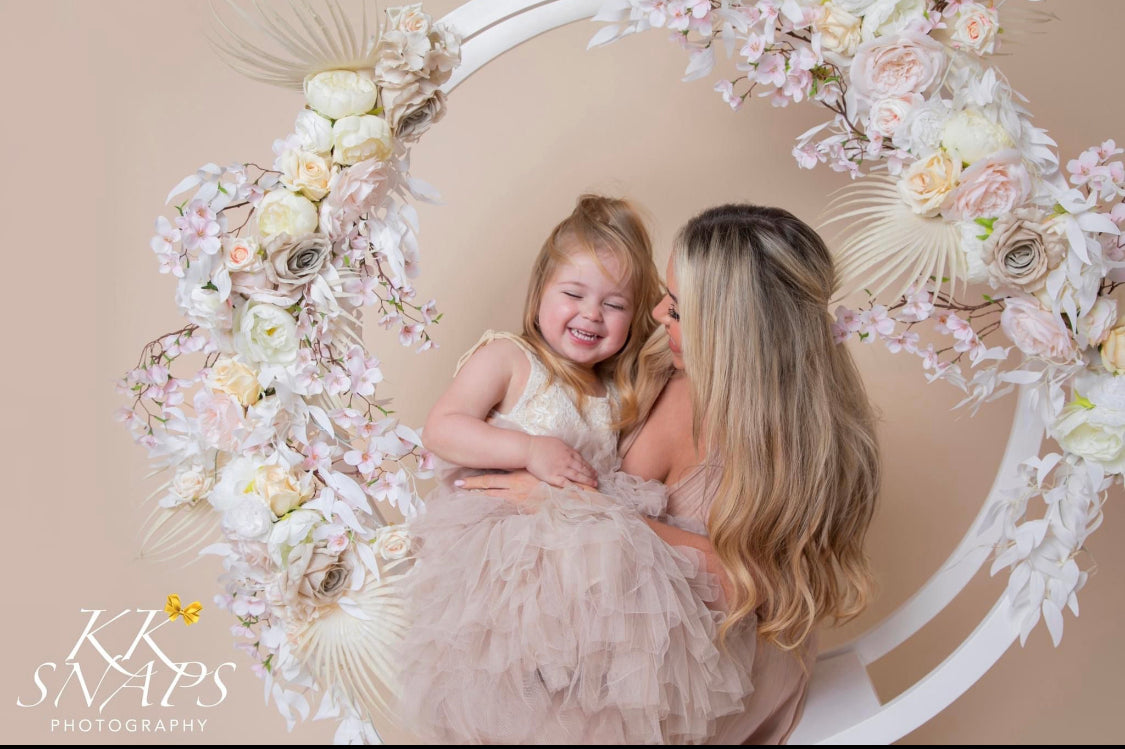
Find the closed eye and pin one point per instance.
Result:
(620, 307)
(572, 295)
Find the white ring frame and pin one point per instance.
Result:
(842, 706)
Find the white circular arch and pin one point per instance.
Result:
(842, 706)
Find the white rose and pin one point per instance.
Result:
(926, 184)
(284, 212)
(241, 254)
(305, 172)
(975, 28)
(410, 19)
(1095, 325)
(249, 518)
(205, 307)
(910, 63)
(232, 377)
(855, 7)
(265, 334)
(357, 139)
(920, 132)
(887, 115)
(971, 136)
(234, 482)
(340, 93)
(887, 17)
(839, 29)
(392, 542)
(1077, 431)
(314, 133)
(191, 482)
(973, 247)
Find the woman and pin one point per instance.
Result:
(761, 429)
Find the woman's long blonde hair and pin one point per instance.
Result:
(783, 407)
(599, 225)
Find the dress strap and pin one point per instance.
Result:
(496, 335)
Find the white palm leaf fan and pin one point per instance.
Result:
(309, 41)
(172, 533)
(885, 244)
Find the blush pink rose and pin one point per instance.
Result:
(897, 66)
(990, 188)
(1036, 331)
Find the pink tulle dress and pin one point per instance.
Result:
(562, 619)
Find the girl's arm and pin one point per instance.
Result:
(456, 429)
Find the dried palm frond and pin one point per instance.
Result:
(309, 41)
(171, 533)
(884, 241)
(358, 655)
(1018, 19)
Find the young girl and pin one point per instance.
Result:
(563, 619)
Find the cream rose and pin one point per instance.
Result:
(989, 188)
(1095, 325)
(190, 483)
(839, 30)
(975, 28)
(1019, 253)
(970, 136)
(357, 139)
(1113, 349)
(314, 132)
(285, 212)
(1036, 331)
(392, 542)
(240, 254)
(410, 19)
(305, 172)
(265, 334)
(230, 376)
(341, 93)
(280, 489)
(909, 63)
(926, 184)
(921, 130)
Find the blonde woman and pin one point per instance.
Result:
(759, 425)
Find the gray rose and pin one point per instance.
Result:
(292, 263)
(314, 577)
(413, 109)
(1019, 252)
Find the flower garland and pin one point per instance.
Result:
(280, 431)
(953, 185)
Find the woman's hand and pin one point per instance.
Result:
(515, 486)
(557, 463)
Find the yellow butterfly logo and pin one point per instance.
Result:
(190, 613)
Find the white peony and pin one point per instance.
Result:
(855, 7)
(340, 93)
(1094, 427)
(888, 17)
(920, 132)
(265, 334)
(909, 63)
(284, 212)
(357, 139)
(970, 136)
(249, 518)
(204, 307)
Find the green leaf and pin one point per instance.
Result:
(1083, 401)
(210, 286)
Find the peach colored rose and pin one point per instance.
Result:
(230, 376)
(241, 254)
(1036, 331)
(975, 28)
(990, 188)
(927, 183)
(909, 63)
(1113, 349)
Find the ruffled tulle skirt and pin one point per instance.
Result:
(561, 619)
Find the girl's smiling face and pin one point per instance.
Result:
(667, 314)
(587, 308)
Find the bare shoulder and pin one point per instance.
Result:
(500, 359)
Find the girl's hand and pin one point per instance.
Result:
(552, 460)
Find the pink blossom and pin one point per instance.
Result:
(771, 69)
(918, 306)
(875, 322)
(363, 290)
(1108, 149)
(410, 334)
(726, 90)
(807, 156)
(754, 47)
(948, 323)
(905, 341)
(318, 457)
(364, 458)
(220, 419)
(336, 381)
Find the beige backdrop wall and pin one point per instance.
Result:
(109, 103)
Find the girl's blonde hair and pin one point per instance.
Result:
(599, 225)
(782, 406)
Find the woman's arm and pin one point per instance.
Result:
(678, 537)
